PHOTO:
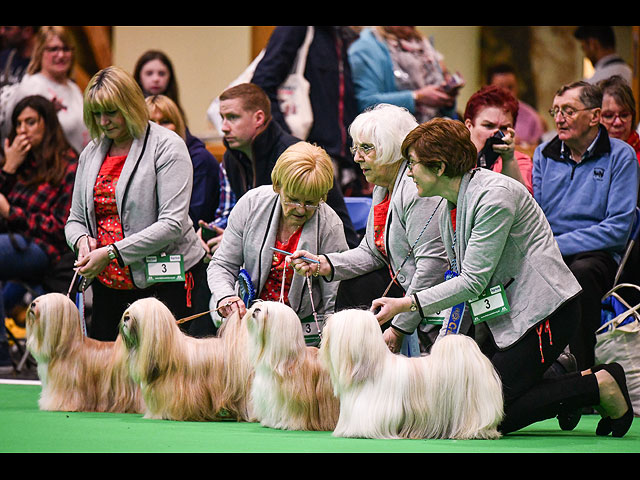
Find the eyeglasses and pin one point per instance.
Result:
(364, 148)
(567, 112)
(306, 206)
(610, 117)
(64, 49)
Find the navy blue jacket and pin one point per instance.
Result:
(324, 63)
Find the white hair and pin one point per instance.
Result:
(384, 126)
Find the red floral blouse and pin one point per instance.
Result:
(108, 220)
(273, 286)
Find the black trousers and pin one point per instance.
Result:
(529, 397)
(359, 292)
(595, 271)
(109, 304)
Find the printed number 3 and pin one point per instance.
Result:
(164, 268)
(487, 304)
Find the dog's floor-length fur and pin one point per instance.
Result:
(454, 392)
(78, 374)
(291, 390)
(182, 377)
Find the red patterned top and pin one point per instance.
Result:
(271, 289)
(634, 141)
(380, 222)
(108, 220)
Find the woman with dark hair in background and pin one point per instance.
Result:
(36, 182)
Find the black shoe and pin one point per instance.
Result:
(620, 426)
(566, 363)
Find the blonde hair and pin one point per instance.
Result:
(43, 36)
(303, 169)
(111, 89)
(169, 111)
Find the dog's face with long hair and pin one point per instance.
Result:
(150, 333)
(275, 334)
(53, 326)
(352, 347)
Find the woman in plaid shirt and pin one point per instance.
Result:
(36, 184)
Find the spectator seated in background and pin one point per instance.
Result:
(36, 183)
(253, 144)
(529, 126)
(587, 185)
(619, 111)
(155, 74)
(16, 54)
(49, 74)
(493, 110)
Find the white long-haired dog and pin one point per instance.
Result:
(291, 390)
(454, 392)
(186, 378)
(78, 374)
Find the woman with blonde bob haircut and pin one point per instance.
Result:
(395, 244)
(287, 215)
(130, 206)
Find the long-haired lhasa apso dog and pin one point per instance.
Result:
(454, 392)
(78, 374)
(291, 390)
(186, 378)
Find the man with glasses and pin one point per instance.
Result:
(587, 185)
(253, 144)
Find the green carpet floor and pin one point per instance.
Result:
(26, 429)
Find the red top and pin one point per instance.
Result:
(380, 222)
(271, 289)
(108, 220)
(634, 141)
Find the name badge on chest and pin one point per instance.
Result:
(492, 303)
(165, 268)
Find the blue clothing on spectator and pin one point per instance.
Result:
(205, 195)
(589, 204)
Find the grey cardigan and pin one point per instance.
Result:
(251, 231)
(503, 238)
(407, 216)
(152, 195)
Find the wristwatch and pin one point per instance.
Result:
(111, 251)
(413, 307)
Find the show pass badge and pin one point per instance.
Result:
(492, 303)
(165, 268)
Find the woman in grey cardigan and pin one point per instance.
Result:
(130, 208)
(396, 242)
(287, 215)
(508, 271)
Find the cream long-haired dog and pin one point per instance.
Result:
(186, 378)
(291, 389)
(454, 392)
(78, 374)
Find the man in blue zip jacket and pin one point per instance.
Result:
(586, 184)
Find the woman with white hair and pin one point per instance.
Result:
(289, 214)
(400, 242)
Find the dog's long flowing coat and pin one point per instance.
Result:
(291, 390)
(454, 392)
(186, 378)
(77, 373)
